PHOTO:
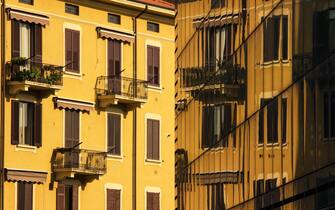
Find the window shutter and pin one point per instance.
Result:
(155, 140)
(149, 139)
(156, 64)
(110, 132)
(155, 201)
(75, 125)
(203, 128)
(15, 123)
(114, 133)
(28, 196)
(113, 199)
(117, 199)
(74, 197)
(60, 197)
(117, 58)
(76, 51)
(68, 128)
(110, 201)
(150, 65)
(111, 69)
(37, 42)
(149, 201)
(20, 195)
(117, 119)
(15, 39)
(38, 125)
(68, 49)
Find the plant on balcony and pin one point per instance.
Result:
(53, 77)
(19, 61)
(32, 74)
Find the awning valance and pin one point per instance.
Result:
(26, 176)
(226, 177)
(64, 103)
(27, 17)
(216, 21)
(116, 35)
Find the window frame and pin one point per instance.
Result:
(31, 2)
(113, 156)
(114, 15)
(153, 29)
(79, 74)
(73, 6)
(150, 189)
(113, 186)
(151, 116)
(80, 124)
(17, 197)
(157, 44)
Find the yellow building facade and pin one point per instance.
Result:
(88, 106)
(254, 85)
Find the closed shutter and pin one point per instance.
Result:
(60, 197)
(114, 134)
(155, 140)
(156, 64)
(15, 39)
(20, 195)
(149, 139)
(37, 34)
(149, 201)
(113, 199)
(68, 128)
(75, 197)
(76, 51)
(15, 123)
(68, 50)
(150, 65)
(28, 192)
(117, 58)
(155, 201)
(38, 125)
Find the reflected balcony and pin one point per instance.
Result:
(27, 75)
(113, 90)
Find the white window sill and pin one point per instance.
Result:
(69, 73)
(155, 162)
(114, 157)
(274, 62)
(24, 147)
(155, 88)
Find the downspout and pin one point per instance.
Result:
(134, 171)
(2, 99)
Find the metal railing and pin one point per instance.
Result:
(22, 69)
(123, 86)
(81, 160)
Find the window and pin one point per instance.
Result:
(271, 119)
(27, 1)
(329, 115)
(112, 18)
(72, 128)
(153, 65)
(258, 190)
(114, 134)
(113, 199)
(67, 197)
(26, 123)
(220, 44)
(153, 202)
(72, 50)
(332, 29)
(283, 119)
(114, 66)
(274, 196)
(217, 3)
(27, 41)
(324, 199)
(72, 9)
(24, 196)
(216, 199)
(153, 27)
(273, 47)
(153, 139)
(216, 123)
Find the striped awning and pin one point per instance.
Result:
(26, 176)
(64, 103)
(216, 21)
(226, 177)
(27, 17)
(115, 35)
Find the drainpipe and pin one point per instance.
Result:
(2, 105)
(134, 171)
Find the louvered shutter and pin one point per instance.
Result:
(76, 51)
(60, 197)
(113, 199)
(156, 64)
(15, 123)
(149, 201)
(155, 201)
(155, 139)
(149, 139)
(68, 49)
(150, 65)
(68, 128)
(37, 42)
(28, 196)
(20, 195)
(15, 39)
(38, 125)
(74, 197)
(117, 119)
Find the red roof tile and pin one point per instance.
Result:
(159, 3)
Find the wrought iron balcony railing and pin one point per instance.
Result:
(116, 89)
(79, 161)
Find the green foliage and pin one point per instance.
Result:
(20, 61)
(53, 77)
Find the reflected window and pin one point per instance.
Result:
(275, 38)
(218, 3)
(332, 29)
(329, 115)
(269, 115)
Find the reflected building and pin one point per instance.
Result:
(255, 104)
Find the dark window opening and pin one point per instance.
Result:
(112, 18)
(329, 115)
(272, 122)
(218, 3)
(215, 197)
(153, 27)
(24, 196)
(72, 9)
(284, 120)
(67, 197)
(273, 195)
(258, 190)
(31, 2)
(114, 134)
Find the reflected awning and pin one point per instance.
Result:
(29, 17)
(115, 35)
(64, 103)
(25, 176)
(225, 177)
(216, 21)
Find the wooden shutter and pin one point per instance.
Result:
(60, 197)
(149, 139)
(149, 201)
(113, 199)
(15, 123)
(155, 139)
(111, 67)
(36, 34)
(28, 198)
(155, 201)
(75, 197)
(68, 50)
(75, 126)
(156, 64)
(150, 65)
(117, 57)
(38, 125)
(76, 51)
(20, 195)
(114, 133)
(68, 128)
(15, 39)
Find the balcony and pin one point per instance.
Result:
(113, 90)
(77, 163)
(27, 75)
(226, 81)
